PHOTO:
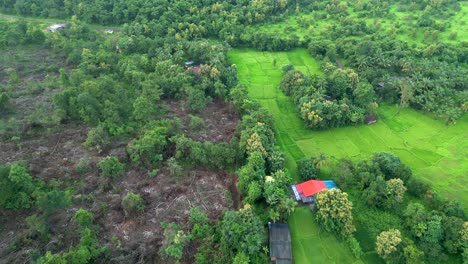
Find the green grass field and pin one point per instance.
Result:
(435, 152)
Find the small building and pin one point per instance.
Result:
(55, 27)
(188, 64)
(370, 119)
(195, 68)
(109, 31)
(280, 243)
(305, 191)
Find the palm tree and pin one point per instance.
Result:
(321, 161)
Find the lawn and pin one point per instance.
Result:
(435, 152)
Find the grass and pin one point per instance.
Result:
(435, 152)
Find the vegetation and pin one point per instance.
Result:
(197, 144)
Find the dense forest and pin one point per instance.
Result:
(115, 149)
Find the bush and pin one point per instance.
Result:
(111, 167)
(354, 245)
(83, 166)
(307, 169)
(418, 188)
(132, 204)
(4, 99)
(174, 168)
(196, 123)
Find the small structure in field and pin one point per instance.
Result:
(306, 191)
(190, 65)
(280, 243)
(370, 119)
(109, 31)
(55, 27)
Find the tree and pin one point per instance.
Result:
(16, 187)
(307, 169)
(242, 231)
(334, 212)
(111, 167)
(132, 204)
(388, 245)
(395, 192)
(413, 255)
(174, 241)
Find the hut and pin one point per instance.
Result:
(55, 27)
(370, 119)
(306, 191)
(280, 243)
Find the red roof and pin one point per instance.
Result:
(310, 188)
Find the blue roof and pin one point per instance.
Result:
(330, 184)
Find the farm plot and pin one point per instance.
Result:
(435, 152)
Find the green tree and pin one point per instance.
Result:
(334, 212)
(388, 245)
(174, 241)
(242, 231)
(395, 192)
(307, 169)
(111, 167)
(132, 204)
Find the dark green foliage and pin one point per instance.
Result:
(111, 167)
(307, 169)
(4, 101)
(417, 187)
(391, 166)
(51, 201)
(242, 231)
(132, 204)
(214, 155)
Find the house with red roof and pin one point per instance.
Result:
(305, 191)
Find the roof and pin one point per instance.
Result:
(330, 184)
(310, 187)
(280, 243)
(370, 119)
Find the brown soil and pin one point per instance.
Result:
(220, 120)
(56, 154)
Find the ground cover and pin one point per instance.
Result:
(435, 152)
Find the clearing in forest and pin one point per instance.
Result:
(435, 152)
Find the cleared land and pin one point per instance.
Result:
(435, 152)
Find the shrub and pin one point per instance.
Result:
(132, 204)
(97, 139)
(174, 168)
(354, 245)
(84, 217)
(111, 167)
(174, 241)
(418, 188)
(4, 99)
(307, 169)
(196, 123)
(83, 166)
